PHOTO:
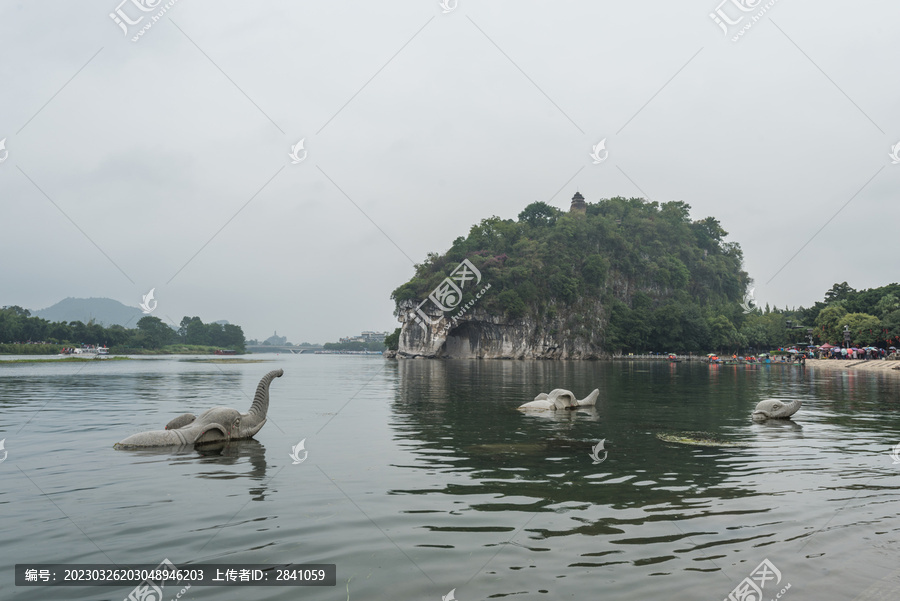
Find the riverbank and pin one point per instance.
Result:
(53, 349)
(874, 365)
(75, 359)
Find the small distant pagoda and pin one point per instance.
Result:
(578, 204)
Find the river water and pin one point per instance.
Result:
(421, 477)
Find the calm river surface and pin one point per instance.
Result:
(421, 477)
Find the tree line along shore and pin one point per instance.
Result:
(22, 334)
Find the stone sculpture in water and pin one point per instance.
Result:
(775, 409)
(559, 399)
(219, 424)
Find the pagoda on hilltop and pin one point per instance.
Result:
(578, 204)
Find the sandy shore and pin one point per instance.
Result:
(874, 365)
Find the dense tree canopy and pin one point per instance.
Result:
(872, 315)
(652, 277)
(17, 325)
(639, 276)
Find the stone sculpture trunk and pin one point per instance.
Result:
(219, 424)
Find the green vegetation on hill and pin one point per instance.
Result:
(645, 272)
(20, 330)
(872, 315)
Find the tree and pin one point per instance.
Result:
(233, 337)
(887, 304)
(392, 340)
(838, 292)
(709, 233)
(668, 329)
(564, 287)
(864, 328)
(10, 325)
(723, 334)
(153, 332)
(594, 272)
(513, 306)
(755, 332)
(891, 327)
(183, 327)
(539, 213)
(116, 335)
(17, 310)
(196, 331)
(828, 323)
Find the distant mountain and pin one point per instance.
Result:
(104, 311)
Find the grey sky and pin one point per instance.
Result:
(425, 122)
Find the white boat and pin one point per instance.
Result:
(95, 351)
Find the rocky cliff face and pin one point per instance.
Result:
(479, 335)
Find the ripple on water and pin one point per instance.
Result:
(430, 479)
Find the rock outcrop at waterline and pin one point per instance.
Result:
(480, 335)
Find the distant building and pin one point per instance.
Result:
(366, 336)
(374, 336)
(275, 340)
(578, 204)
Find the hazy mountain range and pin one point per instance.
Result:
(105, 311)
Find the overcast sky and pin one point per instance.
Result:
(164, 163)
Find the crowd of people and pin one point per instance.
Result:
(865, 353)
(800, 355)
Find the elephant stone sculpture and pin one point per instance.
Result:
(219, 424)
(559, 399)
(775, 409)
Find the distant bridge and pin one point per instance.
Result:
(266, 348)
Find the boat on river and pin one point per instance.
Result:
(86, 351)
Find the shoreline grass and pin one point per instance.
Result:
(75, 359)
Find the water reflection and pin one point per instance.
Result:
(435, 457)
(462, 418)
(778, 426)
(218, 461)
(651, 502)
(566, 416)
